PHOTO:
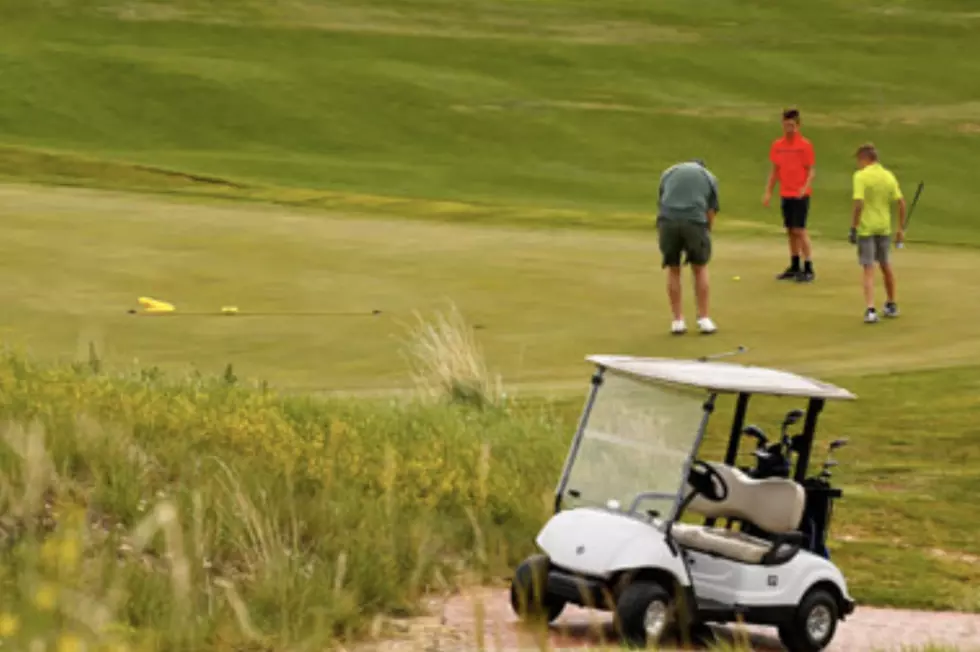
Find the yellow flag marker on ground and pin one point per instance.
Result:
(153, 305)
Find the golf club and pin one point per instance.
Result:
(837, 443)
(908, 218)
(726, 354)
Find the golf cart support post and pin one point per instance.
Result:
(642, 424)
(577, 439)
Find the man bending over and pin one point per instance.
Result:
(685, 216)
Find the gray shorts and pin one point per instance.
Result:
(873, 249)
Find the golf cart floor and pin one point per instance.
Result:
(868, 629)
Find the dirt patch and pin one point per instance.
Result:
(888, 488)
(962, 557)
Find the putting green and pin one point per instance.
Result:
(542, 299)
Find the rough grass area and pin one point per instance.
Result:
(180, 514)
(187, 512)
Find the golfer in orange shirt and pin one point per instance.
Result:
(793, 168)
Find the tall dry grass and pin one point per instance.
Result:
(149, 513)
(447, 362)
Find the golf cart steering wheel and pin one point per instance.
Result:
(707, 481)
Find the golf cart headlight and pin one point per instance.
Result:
(613, 504)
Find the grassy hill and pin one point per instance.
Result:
(558, 104)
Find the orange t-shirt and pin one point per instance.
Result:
(793, 160)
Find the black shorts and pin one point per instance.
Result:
(795, 211)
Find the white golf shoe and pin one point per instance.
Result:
(678, 327)
(707, 326)
(870, 316)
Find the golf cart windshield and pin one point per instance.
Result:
(636, 446)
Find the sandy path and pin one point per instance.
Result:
(868, 629)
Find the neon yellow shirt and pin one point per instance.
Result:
(879, 188)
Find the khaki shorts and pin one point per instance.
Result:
(873, 249)
(683, 237)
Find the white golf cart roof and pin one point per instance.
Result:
(721, 377)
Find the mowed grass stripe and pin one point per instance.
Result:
(356, 98)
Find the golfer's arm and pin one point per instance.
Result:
(901, 213)
(773, 175)
(810, 174)
(856, 218)
(711, 218)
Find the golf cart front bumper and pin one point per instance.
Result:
(576, 589)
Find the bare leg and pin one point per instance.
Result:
(794, 244)
(803, 239)
(889, 274)
(674, 291)
(869, 285)
(701, 289)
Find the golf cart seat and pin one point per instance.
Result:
(773, 504)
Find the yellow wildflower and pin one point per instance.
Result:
(70, 643)
(8, 625)
(46, 596)
(68, 553)
(49, 551)
(116, 647)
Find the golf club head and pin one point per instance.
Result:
(793, 416)
(755, 431)
(837, 443)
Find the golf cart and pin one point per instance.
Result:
(617, 542)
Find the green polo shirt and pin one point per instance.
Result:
(687, 192)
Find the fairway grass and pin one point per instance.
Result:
(550, 106)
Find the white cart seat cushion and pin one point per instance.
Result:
(725, 543)
(773, 504)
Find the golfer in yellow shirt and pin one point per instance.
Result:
(875, 190)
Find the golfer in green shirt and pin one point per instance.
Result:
(875, 190)
(685, 214)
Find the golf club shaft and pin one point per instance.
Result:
(915, 201)
(726, 354)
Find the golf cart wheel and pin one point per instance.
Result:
(814, 624)
(529, 596)
(645, 614)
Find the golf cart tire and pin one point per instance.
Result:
(529, 597)
(796, 636)
(631, 609)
